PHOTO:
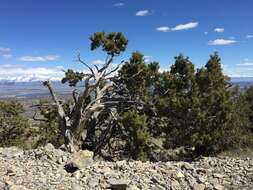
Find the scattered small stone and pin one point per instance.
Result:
(45, 168)
(133, 187)
(187, 166)
(218, 187)
(93, 182)
(198, 187)
(60, 161)
(175, 184)
(17, 187)
(11, 152)
(64, 158)
(179, 175)
(49, 147)
(77, 187)
(77, 175)
(218, 175)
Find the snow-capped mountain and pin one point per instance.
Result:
(17, 73)
(28, 78)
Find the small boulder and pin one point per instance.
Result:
(82, 158)
(187, 166)
(77, 187)
(178, 175)
(218, 187)
(175, 184)
(49, 147)
(77, 175)
(93, 182)
(79, 160)
(199, 187)
(118, 184)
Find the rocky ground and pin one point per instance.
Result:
(50, 168)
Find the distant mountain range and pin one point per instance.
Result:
(11, 89)
(30, 78)
(39, 79)
(242, 81)
(234, 80)
(35, 89)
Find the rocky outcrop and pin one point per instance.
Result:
(45, 168)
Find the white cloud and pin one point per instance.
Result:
(163, 69)
(4, 50)
(142, 13)
(7, 56)
(19, 73)
(246, 63)
(163, 29)
(244, 69)
(205, 33)
(186, 26)
(39, 58)
(98, 62)
(221, 42)
(238, 71)
(118, 4)
(219, 30)
(249, 36)
(147, 58)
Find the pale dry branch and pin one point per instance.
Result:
(60, 109)
(85, 64)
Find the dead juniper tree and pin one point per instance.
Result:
(98, 98)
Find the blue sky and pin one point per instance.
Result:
(39, 38)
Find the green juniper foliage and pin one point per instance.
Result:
(136, 126)
(13, 126)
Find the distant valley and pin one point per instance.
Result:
(31, 90)
(35, 89)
